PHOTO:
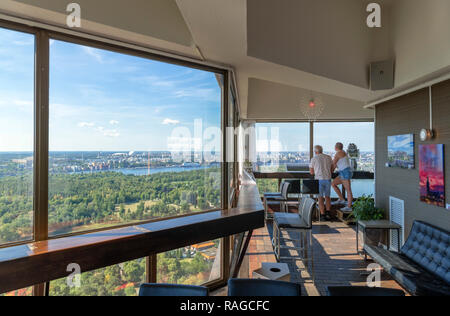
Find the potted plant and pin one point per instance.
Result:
(364, 209)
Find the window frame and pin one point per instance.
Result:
(41, 137)
(12, 26)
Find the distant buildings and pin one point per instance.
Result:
(24, 162)
(208, 250)
(267, 160)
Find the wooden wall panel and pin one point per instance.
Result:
(404, 115)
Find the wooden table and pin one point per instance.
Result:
(42, 262)
(375, 224)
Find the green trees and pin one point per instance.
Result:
(118, 280)
(77, 201)
(80, 201)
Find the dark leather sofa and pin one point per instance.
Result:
(423, 265)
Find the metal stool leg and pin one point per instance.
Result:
(279, 243)
(312, 255)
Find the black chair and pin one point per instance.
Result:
(286, 227)
(172, 290)
(262, 288)
(277, 199)
(348, 291)
(309, 187)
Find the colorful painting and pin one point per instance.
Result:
(401, 151)
(432, 174)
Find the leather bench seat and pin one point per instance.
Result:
(422, 266)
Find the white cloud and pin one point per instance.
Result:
(86, 124)
(94, 53)
(111, 133)
(22, 102)
(160, 82)
(114, 122)
(168, 121)
(27, 42)
(108, 132)
(204, 93)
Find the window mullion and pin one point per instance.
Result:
(41, 136)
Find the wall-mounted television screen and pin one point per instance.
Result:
(401, 151)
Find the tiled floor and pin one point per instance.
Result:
(335, 259)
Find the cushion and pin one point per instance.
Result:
(287, 220)
(429, 247)
(415, 279)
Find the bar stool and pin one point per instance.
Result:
(284, 223)
(262, 288)
(172, 290)
(275, 199)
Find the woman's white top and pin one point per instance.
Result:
(344, 163)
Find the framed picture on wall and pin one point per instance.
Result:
(401, 151)
(432, 174)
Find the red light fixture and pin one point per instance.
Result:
(312, 104)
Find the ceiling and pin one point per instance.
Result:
(280, 50)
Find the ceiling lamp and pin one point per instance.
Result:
(311, 107)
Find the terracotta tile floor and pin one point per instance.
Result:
(335, 259)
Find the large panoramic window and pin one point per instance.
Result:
(231, 145)
(131, 139)
(118, 280)
(194, 265)
(358, 139)
(282, 146)
(16, 135)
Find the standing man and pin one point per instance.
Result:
(321, 167)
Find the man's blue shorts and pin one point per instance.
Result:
(325, 188)
(346, 174)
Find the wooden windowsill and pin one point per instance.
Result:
(44, 261)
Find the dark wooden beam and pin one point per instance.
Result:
(44, 261)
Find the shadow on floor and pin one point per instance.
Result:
(336, 262)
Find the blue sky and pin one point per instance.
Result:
(104, 101)
(16, 91)
(100, 100)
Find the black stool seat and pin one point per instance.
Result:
(287, 220)
(262, 288)
(172, 290)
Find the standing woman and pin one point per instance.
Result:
(341, 161)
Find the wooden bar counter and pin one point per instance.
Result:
(41, 262)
